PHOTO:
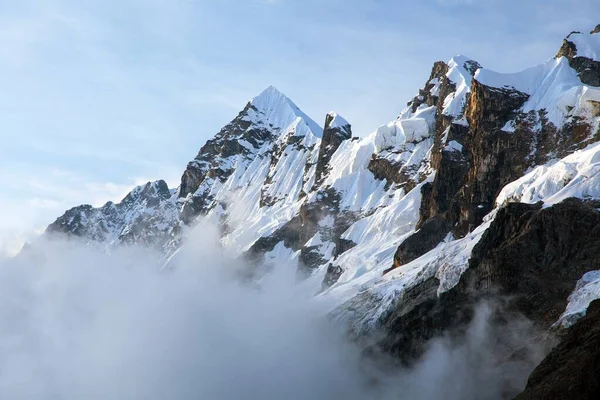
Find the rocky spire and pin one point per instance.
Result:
(337, 129)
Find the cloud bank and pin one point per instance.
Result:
(77, 322)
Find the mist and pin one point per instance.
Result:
(78, 322)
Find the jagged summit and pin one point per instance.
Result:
(466, 63)
(557, 86)
(275, 109)
(145, 216)
(336, 131)
(334, 120)
(150, 190)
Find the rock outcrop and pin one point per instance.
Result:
(571, 369)
(530, 259)
(587, 66)
(335, 132)
(501, 133)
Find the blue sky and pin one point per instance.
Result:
(98, 96)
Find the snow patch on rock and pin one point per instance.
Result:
(577, 175)
(586, 291)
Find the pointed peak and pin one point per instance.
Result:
(334, 120)
(269, 94)
(278, 110)
(465, 63)
(271, 98)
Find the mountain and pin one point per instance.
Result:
(147, 216)
(486, 186)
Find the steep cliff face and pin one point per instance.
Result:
(529, 258)
(337, 129)
(570, 371)
(510, 123)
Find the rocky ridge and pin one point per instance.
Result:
(483, 187)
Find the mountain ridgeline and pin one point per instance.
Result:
(486, 187)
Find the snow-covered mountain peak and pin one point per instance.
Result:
(563, 87)
(151, 190)
(146, 215)
(274, 109)
(465, 65)
(460, 73)
(334, 120)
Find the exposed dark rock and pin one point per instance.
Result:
(425, 239)
(405, 176)
(529, 255)
(438, 74)
(537, 255)
(72, 222)
(332, 275)
(289, 234)
(468, 179)
(211, 161)
(198, 204)
(595, 30)
(309, 259)
(547, 141)
(452, 169)
(402, 175)
(342, 222)
(588, 69)
(420, 316)
(342, 245)
(327, 204)
(496, 157)
(333, 136)
(567, 49)
(384, 169)
(295, 233)
(571, 370)
(472, 66)
(424, 212)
